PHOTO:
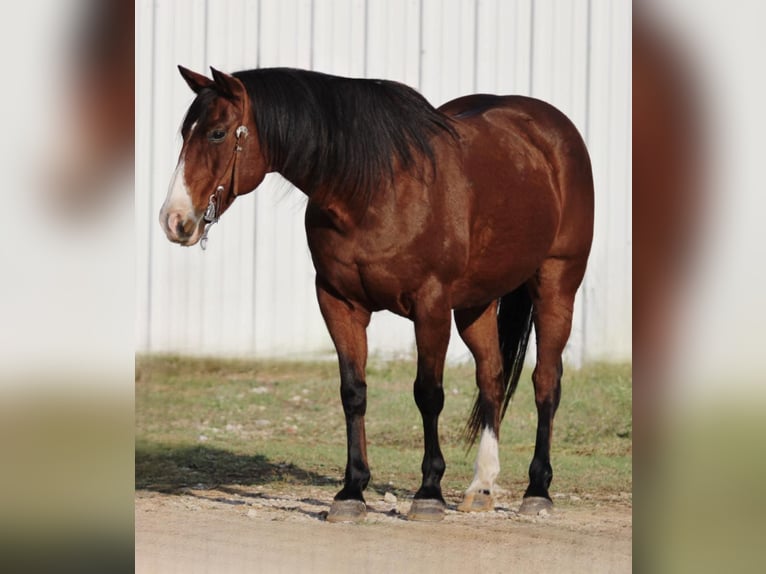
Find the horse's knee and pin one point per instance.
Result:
(429, 397)
(353, 395)
(353, 387)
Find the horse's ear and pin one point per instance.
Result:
(228, 85)
(197, 82)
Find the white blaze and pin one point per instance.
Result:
(487, 465)
(178, 198)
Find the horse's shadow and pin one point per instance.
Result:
(190, 469)
(171, 469)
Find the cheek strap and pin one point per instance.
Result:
(213, 210)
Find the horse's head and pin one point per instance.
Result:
(220, 158)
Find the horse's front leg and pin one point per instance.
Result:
(347, 325)
(432, 331)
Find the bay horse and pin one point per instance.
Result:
(481, 209)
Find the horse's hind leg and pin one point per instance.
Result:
(478, 329)
(553, 291)
(347, 326)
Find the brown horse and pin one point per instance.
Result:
(482, 209)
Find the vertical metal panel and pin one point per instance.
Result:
(607, 289)
(339, 37)
(449, 46)
(393, 40)
(252, 292)
(172, 288)
(503, 46)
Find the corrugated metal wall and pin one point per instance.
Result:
(251, 293)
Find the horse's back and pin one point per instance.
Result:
(528, 137)
(513, 110)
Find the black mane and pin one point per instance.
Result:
(340, 134)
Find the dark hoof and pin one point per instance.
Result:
(347, 511)
(426, 509)
(536, 505)
(476, 502)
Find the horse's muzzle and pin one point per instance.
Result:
(179, 228)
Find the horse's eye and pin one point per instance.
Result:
(217, 135)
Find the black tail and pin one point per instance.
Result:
(514, 323)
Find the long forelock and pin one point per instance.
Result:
(198, 111)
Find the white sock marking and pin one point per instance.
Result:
(487, 465)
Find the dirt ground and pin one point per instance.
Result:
(257, 529)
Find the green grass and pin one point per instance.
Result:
(216, 422)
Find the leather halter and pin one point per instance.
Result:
(214, 211)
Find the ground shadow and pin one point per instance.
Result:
(172, 468)
(165, 468)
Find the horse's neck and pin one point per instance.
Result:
(391, 196)
(341, 212)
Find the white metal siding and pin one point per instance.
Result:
(251, 293)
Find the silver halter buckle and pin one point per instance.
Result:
(210, 211)
(209, 218)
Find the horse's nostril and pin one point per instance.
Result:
(177, 225)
